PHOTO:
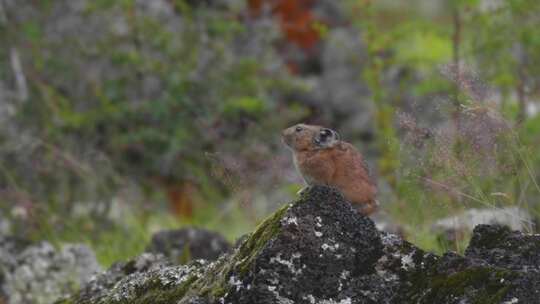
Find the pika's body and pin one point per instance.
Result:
(323, 159)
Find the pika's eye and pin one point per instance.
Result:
(326, 133)
(299, 129)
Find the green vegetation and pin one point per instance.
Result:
(481, 82)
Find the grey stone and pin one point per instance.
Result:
(191, 243)
(39, 273)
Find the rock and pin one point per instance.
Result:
(183, 245)
(501, 247)
(5, 225)
(39, 273)
(127, 271)
(453, 229)
(320, 246)
(148, 278)
(473, 278)
(320, 250)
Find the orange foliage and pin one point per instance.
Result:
(296, 20)
(182, 199)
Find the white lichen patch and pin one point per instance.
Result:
(407, 261)
(288, 263)
(343, 276)
(381, 270)
(309, 298)
(173, 275)
(330, 247)
(233, 281)
(290, 220)
(280, 299)
(331, 301)
(318, 221)
(126, 288)
(390, 240)
(313, 300)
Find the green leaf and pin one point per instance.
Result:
(244, 105)
(32, 31)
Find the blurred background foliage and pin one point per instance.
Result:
(120, 118)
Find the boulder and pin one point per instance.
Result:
(5, 225)
(183, 245)
(133, 273)
(320, 250)
(502, 247)
(455, 229)
(40, 273)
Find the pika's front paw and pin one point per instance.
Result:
(369, 208)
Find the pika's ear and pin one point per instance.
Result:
(336, 135)
(326, 138)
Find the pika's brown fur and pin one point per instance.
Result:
(323, 159)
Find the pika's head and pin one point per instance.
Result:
(302, 137)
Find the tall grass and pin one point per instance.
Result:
(475, 159)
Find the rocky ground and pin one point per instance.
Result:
(39, 273)
(319, 250)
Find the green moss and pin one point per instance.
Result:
(489, 283)
(263, 233)
(64, 301)
(156, 295)
(213, 284)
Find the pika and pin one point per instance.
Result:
(323, 159)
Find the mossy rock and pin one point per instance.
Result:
(319, 249)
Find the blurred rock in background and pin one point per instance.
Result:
(190, 243)
(39, 273)
(453, 230)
